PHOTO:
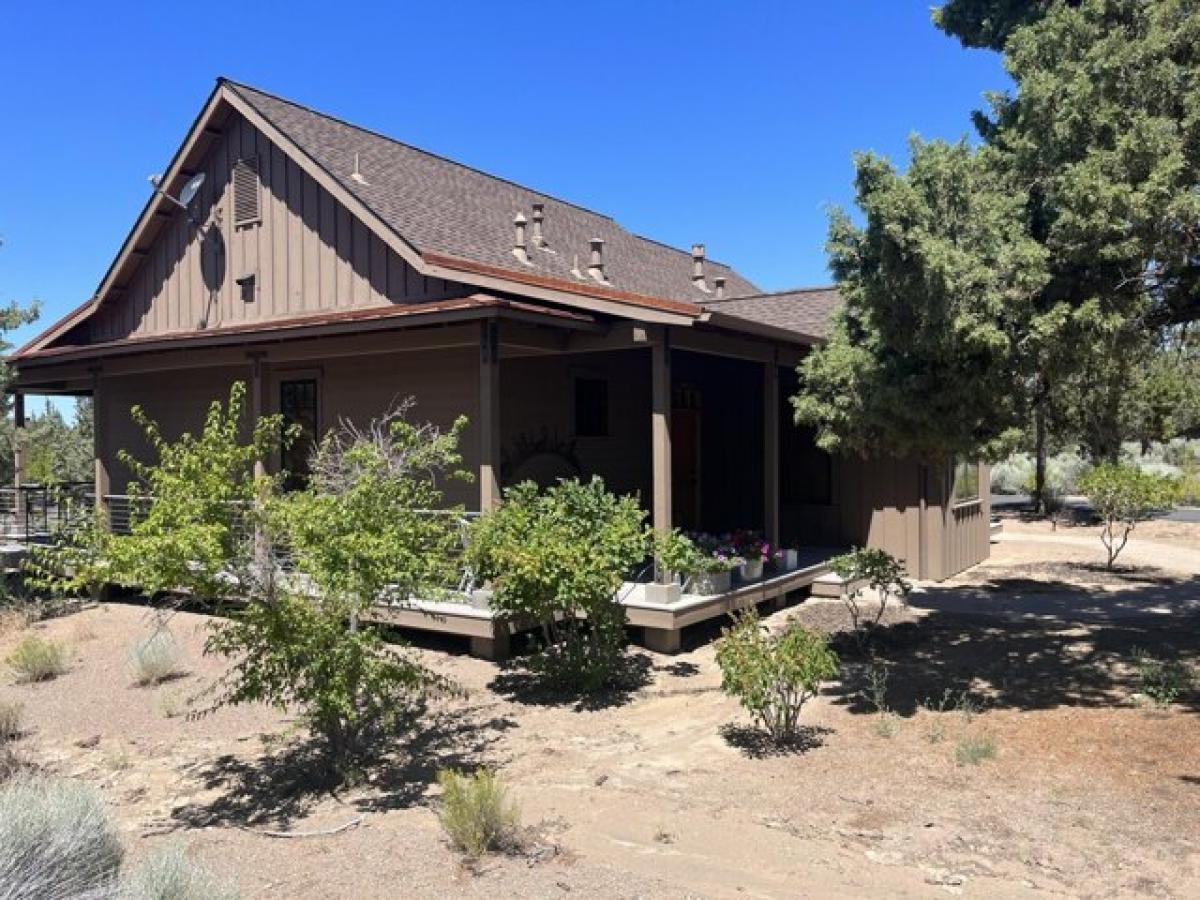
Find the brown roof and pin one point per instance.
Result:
(449, 210)
(804, 310)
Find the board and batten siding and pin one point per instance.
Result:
(307, 253)
(898, 506)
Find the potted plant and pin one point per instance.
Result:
(712, 573)
(675, 556)
(755, 551)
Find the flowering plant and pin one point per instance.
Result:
(752, 546)
(716, 554)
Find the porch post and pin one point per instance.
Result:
(660, 392)
(771, 450)
(101, 485)
(19, 506)
(257, 405)
(489, 415)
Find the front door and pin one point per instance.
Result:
(685, 457)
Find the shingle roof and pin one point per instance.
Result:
(448, 209)
(806, 310)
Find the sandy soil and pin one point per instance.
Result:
(662, 791)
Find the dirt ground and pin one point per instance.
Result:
(663, 790)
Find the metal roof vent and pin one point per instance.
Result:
(596, 266)
(357, 175)
(719, 284)
(698, 267)
(246, 206)
(520, 250)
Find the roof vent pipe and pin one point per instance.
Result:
(698, 266)
(596, 266)
(520, 250)
(539, 216)
(719, 284)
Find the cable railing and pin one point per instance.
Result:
(35, 512)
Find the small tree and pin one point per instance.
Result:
(194, 509)
(558, 558)
(1123, 495)
(366, 529)
(882, 573)
(773, 676)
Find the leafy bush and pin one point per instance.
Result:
(170, 875)
(972, 749)
(57, 839)
(37, 658)
(11, 715)
(1161, 680)
(156, 658)
(773, 676)
(557, 558)
(675, 554)
(882, 573)
(1122, 496)
(477, 812)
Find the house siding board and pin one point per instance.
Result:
(308, 254)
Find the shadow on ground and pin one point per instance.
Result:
(1024, 644)
(280, 787)
(757, 743)
(520, 684)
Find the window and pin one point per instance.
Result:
(966, 481)
(298, 406)
(591, 407)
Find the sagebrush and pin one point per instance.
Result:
(12, 714)
(156, 658)
(57, 840)
(170, 875)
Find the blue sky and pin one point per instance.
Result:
(733, 124)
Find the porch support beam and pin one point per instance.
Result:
(101, 485)
(258, 400)
(489, 415)
(660, 430)
(19, 459)
(771, 451)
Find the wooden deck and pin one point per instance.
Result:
(661, 623)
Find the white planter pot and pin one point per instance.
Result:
(481, 598)
(790, 560)
(751, 570)
(709, 583)
(665, 594)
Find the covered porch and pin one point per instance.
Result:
(690, 421)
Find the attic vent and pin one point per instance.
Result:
(246, 193)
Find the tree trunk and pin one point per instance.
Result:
(1039, 476)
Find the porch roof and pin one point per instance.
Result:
(804, 311)
(475, 306)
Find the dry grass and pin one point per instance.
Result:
(37, 658)
(477, 812)
(12, 714)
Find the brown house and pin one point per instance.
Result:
(337, 270)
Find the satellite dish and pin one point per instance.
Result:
(188, 194)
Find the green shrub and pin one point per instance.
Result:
(36, 658)
(1161, 680)
(477, 812)
(557, 558)
(882, 573)
(155, 659)
(11, 715)
(773, 676)
(170, 875)
(972, 749)
(57, 839)
(1123, 495)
